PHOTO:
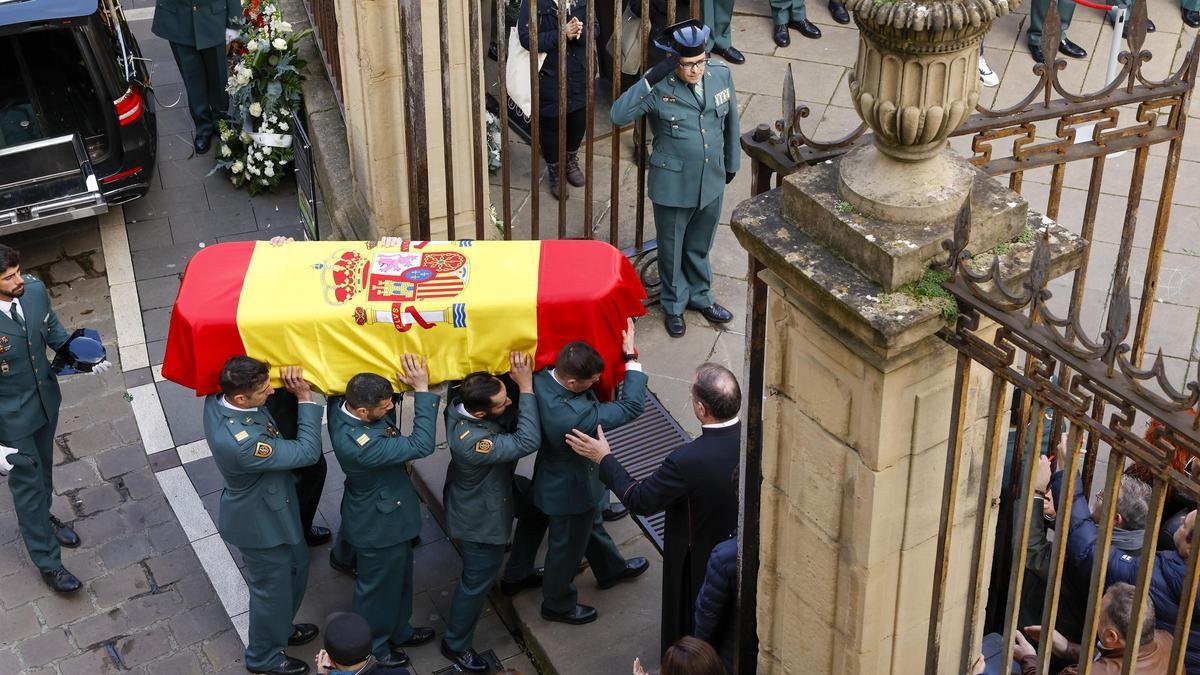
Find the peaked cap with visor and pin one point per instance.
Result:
(685, 38)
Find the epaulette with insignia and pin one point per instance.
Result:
(362, 439)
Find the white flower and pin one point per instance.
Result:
(284, 111)
(252, 46)
(269, 163)
(256, 109)
(280, 44)
(236, 168)
(269, 171)
(283, 126)
(285, 27)
(258, 154)
(245, 137)
(226, 134)
(225, 151)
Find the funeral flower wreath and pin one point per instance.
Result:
(264, 90)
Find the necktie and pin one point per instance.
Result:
(698, 90)
(16, 316)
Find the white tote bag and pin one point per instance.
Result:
(517, 73)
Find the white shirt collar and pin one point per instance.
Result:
(462, 410)
(720, 425)
(6, 307)
(231, 406)
(351, 415)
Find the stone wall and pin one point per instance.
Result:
(854, 456)
(373, 87)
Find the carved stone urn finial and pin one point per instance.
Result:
(915, 81)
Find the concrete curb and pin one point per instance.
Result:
(327, 133)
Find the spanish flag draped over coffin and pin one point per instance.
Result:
(340, 308)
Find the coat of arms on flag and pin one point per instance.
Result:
(390, 284)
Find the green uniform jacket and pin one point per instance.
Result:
(478, 494)
(563, 482)
(693, 148)
(259, 508)
(196, 23)
(28, 387)
(380, 508)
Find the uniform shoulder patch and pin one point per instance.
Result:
(483, 446)
(464, 434)
(262, 450)
(241, 435)
(362, 439)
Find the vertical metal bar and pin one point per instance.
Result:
(1014, 180)
(1020, 541)
(670, 12)
(478, 128)
(1125, 247)
(1091, 206)
(1056, 186)
(535, 118)
(1162, 219)
(1087, 647)
(640, 149)
(695, 7)
(502, 37)
(962, 385)
(589, 106)
(614, 172)
(565, 8)
(1063, 503)
(746, 635)
(447, 120)
(991, 466)
(1145, 570)
(416, 152)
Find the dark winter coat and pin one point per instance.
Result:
(716, 601)
(547, 37)
(697, 487)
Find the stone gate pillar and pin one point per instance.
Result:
(374, 93)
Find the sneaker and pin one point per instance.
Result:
(987, 76)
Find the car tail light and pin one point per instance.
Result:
(118, 176)
(130, 106)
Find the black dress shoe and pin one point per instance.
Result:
(1192, 17)
(420, 635)
(202, 144)
(1068, 48)
(469, 660)
(397, 658)
(1037, 54)
(731, 54)
(302, 633)
(634, 567)
(838, 11)
(317, 535)
(61, 581)
(782, 38)
(64, 534)
(807, 28)
(511, 588)
(580, 614)
(615, 511)
(290, 666)
(675, 325)
(717, 314)
(341, 566)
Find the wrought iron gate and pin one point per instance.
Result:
(1094, 386)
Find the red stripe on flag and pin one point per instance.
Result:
(595, 277)
(203, 332)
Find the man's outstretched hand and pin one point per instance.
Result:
(594, 449)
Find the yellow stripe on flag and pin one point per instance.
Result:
(341, 308)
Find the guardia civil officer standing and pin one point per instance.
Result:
(29, 401)
(260, 512)
(692, 104)
(198, 31)
(381, 513)
(565, 486)
(479, 492)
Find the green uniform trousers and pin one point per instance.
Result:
(276, 577)
(788, 10)
(383, 594)
(32, 491)
(685, 236)
(204, 74)
(718, 15)
(1037, 16)
(572, 538)
(342, 551)
(480, 564)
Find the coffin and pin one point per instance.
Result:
(341, 308)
